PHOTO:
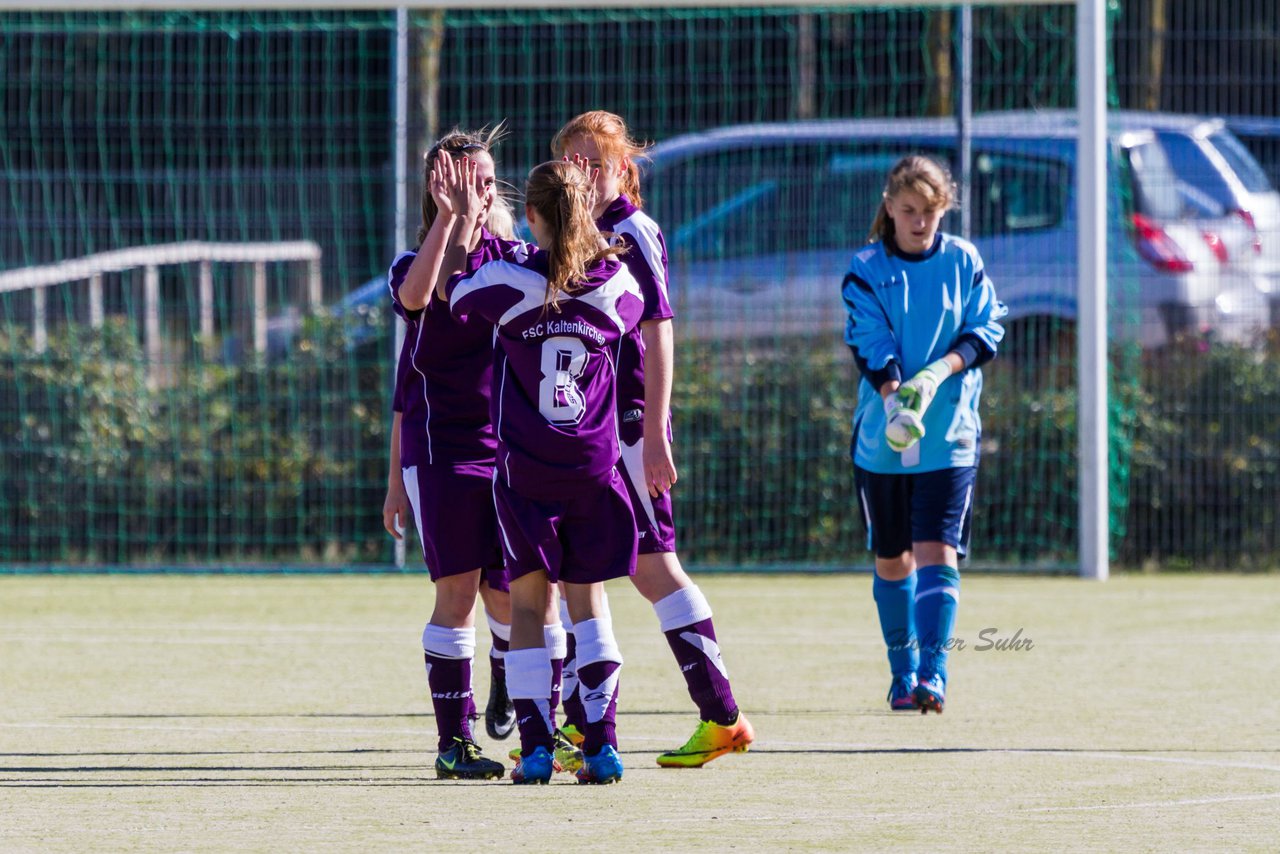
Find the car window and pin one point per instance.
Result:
(1241, 161)
(1014, 194)
(1265, 149)
(1192, 164)
(1159, 193)
(817, 196)
(767, 200)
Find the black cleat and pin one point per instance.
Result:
(463, 761)
(500, 714)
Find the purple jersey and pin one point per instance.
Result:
(646, 258)
(443, 383)
(555, 402)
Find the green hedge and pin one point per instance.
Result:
(204, 462)
(284, 462)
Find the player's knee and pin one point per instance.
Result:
(895, 568)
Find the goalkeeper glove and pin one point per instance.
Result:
(902, 427)
(917, 393)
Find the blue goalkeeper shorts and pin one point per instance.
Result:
(901, 509)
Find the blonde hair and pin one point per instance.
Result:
(561, 194)
(610, 134)
(501, 219)
(919, 174)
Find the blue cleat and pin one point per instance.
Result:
(931, 693)
(902, 693)
(605, 767)
(536, 768)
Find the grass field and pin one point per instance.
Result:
(289, 714)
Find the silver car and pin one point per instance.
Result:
(761, 221)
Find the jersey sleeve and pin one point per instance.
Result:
(395, 278)
(482, 292)
(867, 330)
(647, 259)
(982, 328)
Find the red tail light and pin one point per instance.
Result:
(1158, 247)
(1253, 226)
(1216, 246)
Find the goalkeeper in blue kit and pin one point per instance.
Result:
(922, 318)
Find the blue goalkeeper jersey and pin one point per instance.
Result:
(904, 312)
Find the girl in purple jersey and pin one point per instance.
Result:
(600, 140)
(560, 316)
(442, 457)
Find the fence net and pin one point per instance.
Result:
(234, 413)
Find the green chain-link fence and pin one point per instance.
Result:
(189, 413)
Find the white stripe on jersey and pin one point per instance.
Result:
(426, 395)
(644, 233)
(532, 287)
(392, 269)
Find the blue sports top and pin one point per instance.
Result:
(906, 311)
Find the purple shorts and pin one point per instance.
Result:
(586, 537)
(453, 511)
(655, 526)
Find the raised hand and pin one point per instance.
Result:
(442, 176)
(593, 174)
(470, 197)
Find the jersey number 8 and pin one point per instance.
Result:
(559, 398)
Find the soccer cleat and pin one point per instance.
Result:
(463, 761)
(565, 756)
(537, 768)
(931, 693)
(572, 734)
(567, 753)
(709, 741)
(603, 768)
(902, 693)
(500, 713)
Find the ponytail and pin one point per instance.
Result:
(561, 194)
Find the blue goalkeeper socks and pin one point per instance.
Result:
(937, 596)
(895, 600)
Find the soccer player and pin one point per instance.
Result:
(560, 315)
(921, 307)
(442, 460)
(645, 366)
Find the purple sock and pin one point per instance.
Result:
(450, 682)
(685, 617)
(573, 714)
(533, 729)
(557, 670)
(599, 663)
(556, 642)
(498, 663)
(698, 655)
(529, 678)
(599, 687)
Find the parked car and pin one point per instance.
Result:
(761, 221)
(1261, 136)
(363, 314)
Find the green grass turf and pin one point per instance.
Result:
(289, 714)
